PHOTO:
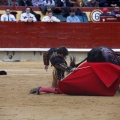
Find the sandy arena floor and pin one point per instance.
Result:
(17, 104)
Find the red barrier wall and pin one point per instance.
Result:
(71, 35)
(38, 8)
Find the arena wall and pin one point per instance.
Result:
(71, 35)
(30, 40)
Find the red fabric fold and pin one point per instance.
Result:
(92, 79)
(107, 72)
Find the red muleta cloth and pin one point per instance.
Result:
(96, 79)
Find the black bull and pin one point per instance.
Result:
(99, 54)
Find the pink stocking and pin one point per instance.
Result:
(48, 90)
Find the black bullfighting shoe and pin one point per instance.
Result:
(3, 72)
(35, 91)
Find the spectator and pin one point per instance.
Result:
(65, 11)
(92, 3)
(37, 16)
(79, 3)
(116, 12)
(103, 3)
(61, 13)
(25, 3)
(85, 2)
(27, 16)
(50, 18)
(81, 15)
(63, 3)
(118, 4)
(49, 3)
(7, 16)
(58, 14)
(3, 2)
(72, 17)
(13, 2)
(105, 12)
(38, 2)
(113, 3)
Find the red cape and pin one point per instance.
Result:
(92, 79)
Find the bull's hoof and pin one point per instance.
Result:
(3, 72)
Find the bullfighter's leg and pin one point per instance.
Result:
(43, 89)
(55, 81)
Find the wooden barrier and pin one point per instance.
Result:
(71, 35)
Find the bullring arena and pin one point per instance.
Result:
(28, 45)
(17, 104)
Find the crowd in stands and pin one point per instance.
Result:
(28, 15)
(62, 3)
(55, 15)
(114, 13)
(61, 13)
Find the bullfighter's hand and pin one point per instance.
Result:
(46, 67)
(73, 69)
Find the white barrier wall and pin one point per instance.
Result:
(33, 54)
(23, 55)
